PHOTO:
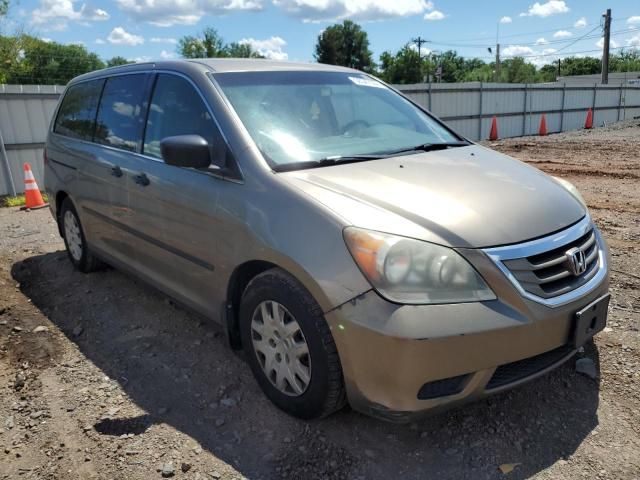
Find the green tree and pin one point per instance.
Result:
(4, 7)
(625, 61)
(240, 50)
(209, 44)
(30, 60)
(115, 61)
(404, 67)
(580, 66)
(345, 44)
(517, 70)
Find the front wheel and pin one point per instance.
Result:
(289, 346)
(75, 241)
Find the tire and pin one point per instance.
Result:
(324, 392)
(75, 241)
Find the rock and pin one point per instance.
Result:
(77, 331)
(228, 402)
(369, 453)
(215, 475)
(219, 422)
(36, 415)
(9, 423)
(287, 440)
(40, 328)
(168, 470)
(19, 381)
(185, 467)
(587, 367)
(17, 329)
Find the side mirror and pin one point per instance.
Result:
(186, 151)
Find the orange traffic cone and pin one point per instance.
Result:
(32, 197)
(588, 123)
(493, 134)
(542, 131)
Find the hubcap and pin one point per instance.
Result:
(281, 348)
(72, 235)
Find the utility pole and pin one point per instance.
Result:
(497, 62)
(419, 41)
(605, 48)
(559, 62)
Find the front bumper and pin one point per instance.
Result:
(402, 361)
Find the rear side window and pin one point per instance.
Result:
(119, 121)
(176, 109)
(77, 113)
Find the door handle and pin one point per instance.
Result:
(141, 179)
(116, 171)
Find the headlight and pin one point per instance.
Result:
(410, 271)
(571, 188)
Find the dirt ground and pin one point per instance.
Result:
(103, 378)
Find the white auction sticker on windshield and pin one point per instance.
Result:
(366, 82)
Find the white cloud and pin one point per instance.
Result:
(435, 15)
(144, 58)
(580, 23)
(167, 55)
(56, 14)
(423, 50)
(541, 41)
(361, 10)
(164, 13)
(100, 41)
(634, 42)
(517, 51)
(269, 48)
(635, 20)
(119, 36)
(506, 20)
(612, 43)
(562, 34)
(46, 40)
(171, 41)
(552, 7)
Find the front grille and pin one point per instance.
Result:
(512, 372)
(548, 274)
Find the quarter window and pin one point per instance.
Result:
(119, 120)
(77, 113)
(176, 109)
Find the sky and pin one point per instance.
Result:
(287, 29)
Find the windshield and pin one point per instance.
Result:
(306, 117)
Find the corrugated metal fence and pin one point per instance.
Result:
(469, 107)
(25, 112)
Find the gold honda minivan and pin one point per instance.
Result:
(356, 248)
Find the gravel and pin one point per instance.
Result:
(157, 368)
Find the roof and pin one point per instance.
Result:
(263, 64)
(216, 65)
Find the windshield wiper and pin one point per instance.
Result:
(428, 147)
(326, 161)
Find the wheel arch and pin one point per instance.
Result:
(242, 276)
(61, 195)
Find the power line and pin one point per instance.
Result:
(537, 32)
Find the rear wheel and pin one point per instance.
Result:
(75, 241)
(289, 346)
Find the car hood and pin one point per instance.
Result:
(461, 197)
